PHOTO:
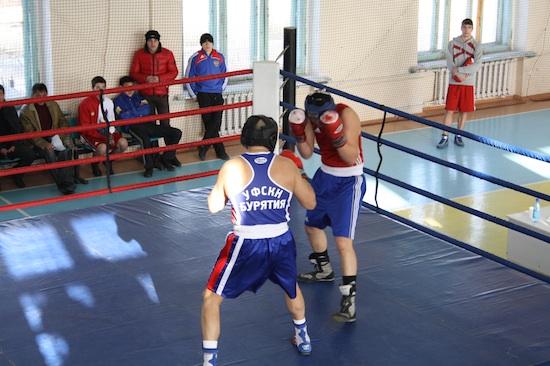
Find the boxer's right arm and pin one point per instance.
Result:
(217, 199)
(300, 126)
(297, 121)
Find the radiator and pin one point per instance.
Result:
(234, 119)
(493, 81)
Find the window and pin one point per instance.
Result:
(244, 30)
(439, 21)
(12, 60)
(17, 69)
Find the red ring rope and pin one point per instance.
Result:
(119, 156)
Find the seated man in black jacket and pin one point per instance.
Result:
(10, 125)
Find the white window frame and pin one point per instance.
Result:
(258, 37)
(29, 48)
(441, 33)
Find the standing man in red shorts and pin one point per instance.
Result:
(463, 56)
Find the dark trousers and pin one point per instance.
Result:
(159, 105)
(144, 132)
(60, 175)
(211, 121)
(25, 154)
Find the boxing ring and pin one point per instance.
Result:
(121, 284)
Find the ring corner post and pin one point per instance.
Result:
(289, 89)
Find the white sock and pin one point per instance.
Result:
(210, 344)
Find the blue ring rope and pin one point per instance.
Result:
(481, 139)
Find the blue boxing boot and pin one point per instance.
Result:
(301, 338)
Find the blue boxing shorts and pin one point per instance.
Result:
(338, 203)
(246, 264)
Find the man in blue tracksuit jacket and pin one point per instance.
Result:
(208, 61)
(132, 105)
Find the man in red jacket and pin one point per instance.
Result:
(152, 64)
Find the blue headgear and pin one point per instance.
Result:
(318, 103)
(260, 130)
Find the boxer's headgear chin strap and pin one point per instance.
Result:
(318, 103)
(260, 130)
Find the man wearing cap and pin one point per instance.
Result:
(208, 61)
(153, 64)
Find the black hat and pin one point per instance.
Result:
(207, 37)
(152, 34)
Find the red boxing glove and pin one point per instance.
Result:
(469, 61)
(334, 128)
(296, 159)
(297, 119)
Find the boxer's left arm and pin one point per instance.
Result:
(289, 168)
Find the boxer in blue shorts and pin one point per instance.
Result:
(341, 217)
(259, 186)
(339, 185)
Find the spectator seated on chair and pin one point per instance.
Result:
(131, 105)
(48, 116)
(96, 110)
(13, 151)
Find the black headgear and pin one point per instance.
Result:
(260, 130)
(206, 37)
(152, 34)
(318, 103)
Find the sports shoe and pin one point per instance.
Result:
(111, 171)
(301, 339)
(443, 142)
(347, 305)
(322, 271)
(18, 180)
(202, 153)
(158, 164)
(95, 170)
(167, 165)
(175, 162)
(210, 357)
(148, 173)
(66, 187)
(458, 141)
(223, 156)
